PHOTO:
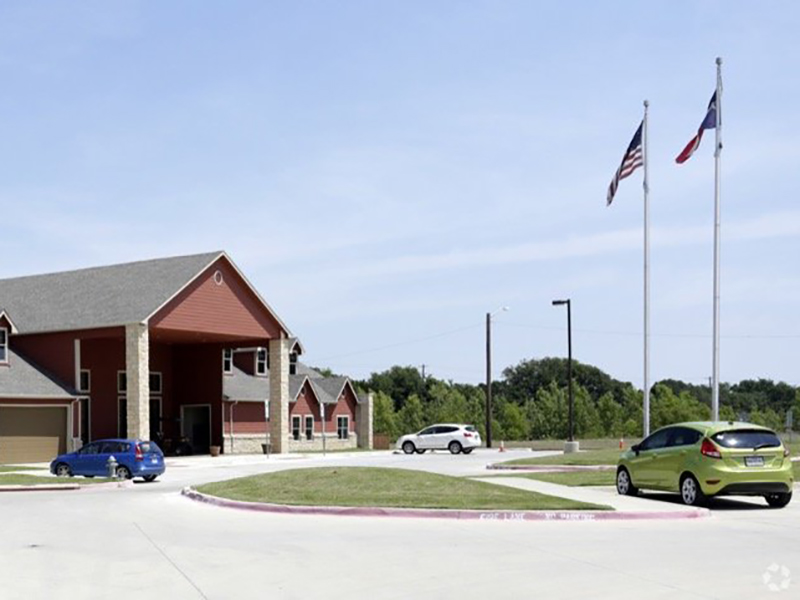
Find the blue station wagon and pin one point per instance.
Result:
(135, 458)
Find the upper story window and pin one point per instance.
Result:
(3, 345)
(122, 382)
(155, 382)
(227, 360)
(293, 363)
(262, 361)
(85, 381)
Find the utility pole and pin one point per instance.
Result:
(488, 380)
(571, 445)
(423, 371)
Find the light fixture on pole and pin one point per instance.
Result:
(571, 445)
(489, 374)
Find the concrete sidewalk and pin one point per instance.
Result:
(594, 495)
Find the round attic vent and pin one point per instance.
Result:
(218, 277)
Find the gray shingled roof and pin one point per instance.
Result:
(21, 379)
(242, 386)
(328, 389)
(245, 387)
(99, 296)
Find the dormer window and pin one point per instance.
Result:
(293, 363)
(262, 361)
(227, 360)
(3, 345)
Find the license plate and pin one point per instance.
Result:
(154, 460)
(754, 461)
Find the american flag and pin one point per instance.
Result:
(633, 159)
(709, 122)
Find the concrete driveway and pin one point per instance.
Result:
(148, 541)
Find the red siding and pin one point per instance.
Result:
(248, 417)
(246, 361)
(54, 352)
(229, 309)
(307, 404)
(345, 406)
(103, 358)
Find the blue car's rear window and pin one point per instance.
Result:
(149, 447)
(747, 438)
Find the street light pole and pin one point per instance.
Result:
(571, 445)
(489, 374)
(488, 380)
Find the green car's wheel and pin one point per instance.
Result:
(691, 494)
(778, 500)
(625, 486)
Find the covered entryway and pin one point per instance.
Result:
(32, 434)
(196, 426)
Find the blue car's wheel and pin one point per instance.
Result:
(123, 472)
(63, 470)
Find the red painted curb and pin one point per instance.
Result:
(45, 487)
(62, 487)
(422, 513)
(549, 468)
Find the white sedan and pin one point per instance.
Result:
(443, 436)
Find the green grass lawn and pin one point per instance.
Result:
(18, 479)
(13, 468)
(608, 456)
(575, 478)
(396, 488)
(796, 468)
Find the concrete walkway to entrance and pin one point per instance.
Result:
(596, 495)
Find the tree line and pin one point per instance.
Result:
(531, 402)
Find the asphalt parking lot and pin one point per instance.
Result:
(149, 541)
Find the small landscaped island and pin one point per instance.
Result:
(385, 488)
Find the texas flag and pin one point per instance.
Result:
(710, 122)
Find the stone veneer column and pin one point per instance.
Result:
(137, 368)
(279, 395)
(364, 422)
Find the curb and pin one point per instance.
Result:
(422, 513)
(67, 487)
(549, 468)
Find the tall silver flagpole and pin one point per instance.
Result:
(717, 156)
(646, 410)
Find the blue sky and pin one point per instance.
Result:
(387, 172)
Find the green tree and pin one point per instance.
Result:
(513, 424)
(411, 418)
(610, 414)
(398, 383)
(384, 417)
(446, 405)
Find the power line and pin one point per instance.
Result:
(397, 344)
(639, 333)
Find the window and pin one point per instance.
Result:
(342, 427)
(747, 438)
(261, 361)
(683, 436)
(227, 360)
(293, 363)
(309, 427)
(155, 382)
(428, 431)
(122, 382)
(85, 381)
(3, 345)
(657, 440)
(295, 428)
(90, 449)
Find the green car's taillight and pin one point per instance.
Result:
(709, 449)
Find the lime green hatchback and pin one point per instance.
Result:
(703, 460)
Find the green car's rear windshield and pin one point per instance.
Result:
(747, 438)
